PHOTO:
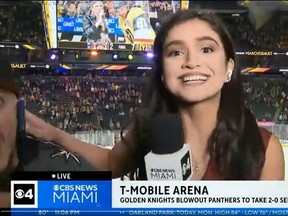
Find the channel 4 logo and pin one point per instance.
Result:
(24, 194)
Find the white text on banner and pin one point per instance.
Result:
(199, 194)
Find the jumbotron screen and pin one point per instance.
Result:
(111, 25)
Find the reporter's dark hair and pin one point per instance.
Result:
(235, 146)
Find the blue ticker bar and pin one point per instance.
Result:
(123, 212)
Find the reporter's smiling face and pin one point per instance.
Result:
(194, 62)
(8, 128)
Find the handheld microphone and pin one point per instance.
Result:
(169, 158)
(21, 123)
(21, 129)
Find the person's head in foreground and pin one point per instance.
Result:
(23, 152)
(196, 76)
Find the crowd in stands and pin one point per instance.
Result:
(81, 103)
(266, 97)
(21, 23)
(77, 103)
(283, 116)
(273, 35)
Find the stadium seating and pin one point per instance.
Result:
(22, 22)
(82, 103)
(265, 97)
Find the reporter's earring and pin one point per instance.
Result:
(229, 75)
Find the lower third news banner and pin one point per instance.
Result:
(94, 193)
(201, 197)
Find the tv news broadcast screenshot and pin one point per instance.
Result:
(143, 108)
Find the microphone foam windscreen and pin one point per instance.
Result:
(166, 134)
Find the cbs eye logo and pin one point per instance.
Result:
(24, 194)
(20, 194)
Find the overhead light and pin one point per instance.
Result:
(29, 46)
(130, 56)
(65, 67)
(94, 53)
(115, 56)
(53, 56)
(149, 55)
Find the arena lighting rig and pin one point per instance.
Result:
(139, 59)
(115, 55)
(53, 54)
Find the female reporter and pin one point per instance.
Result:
(195, 75)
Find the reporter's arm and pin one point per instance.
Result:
(118, 159)
(274, 166)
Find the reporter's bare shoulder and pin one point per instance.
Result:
(274, 166)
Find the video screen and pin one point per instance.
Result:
(262, 63)
(111, 25)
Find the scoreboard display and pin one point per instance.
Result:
(106, 25)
